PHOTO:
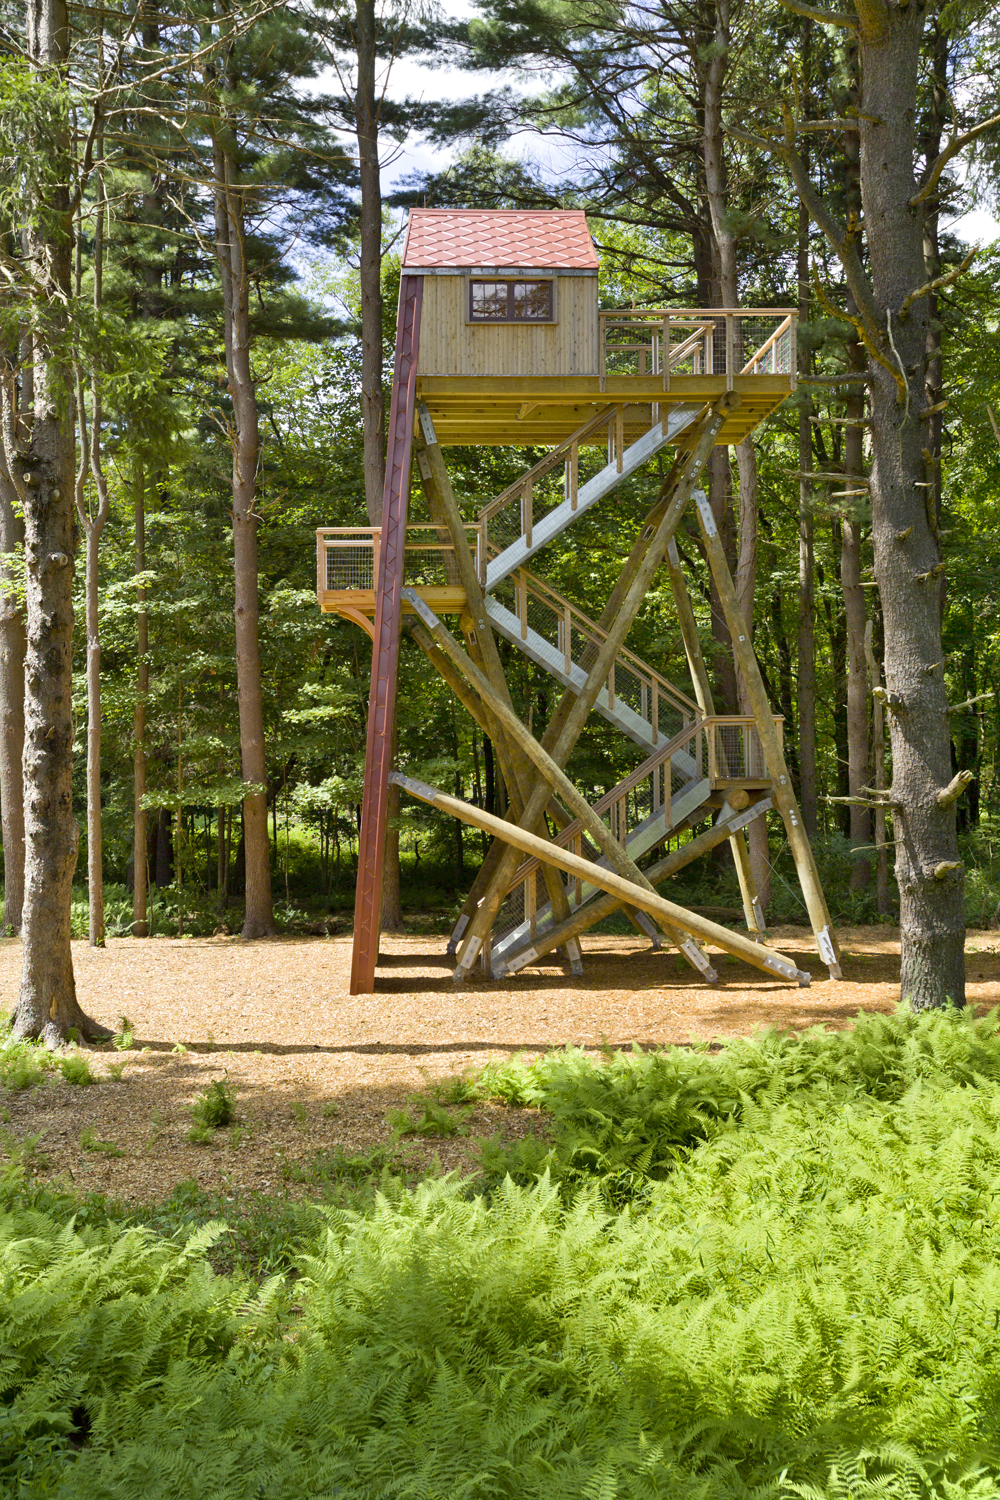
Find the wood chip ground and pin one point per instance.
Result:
(315, 1068)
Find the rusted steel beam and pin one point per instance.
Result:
(385, 646)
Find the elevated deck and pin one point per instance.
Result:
(648, 362)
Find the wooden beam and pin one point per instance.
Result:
(602, 906)
(520, 839)
(437, 484)
(784, 797)
(574, 717)
(560, 783)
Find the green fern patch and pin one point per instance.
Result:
(767, 1274)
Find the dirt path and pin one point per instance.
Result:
(315, 1068)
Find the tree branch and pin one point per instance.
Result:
(817, 13)
(955, 145)
(938, 283)
(955, 788)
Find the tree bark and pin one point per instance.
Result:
(856, 620)
(47, 1006)
(12, 647)
(908, 563)
(366, 123)
(230, 250)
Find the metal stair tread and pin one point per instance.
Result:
(557, 520)
(642, 838)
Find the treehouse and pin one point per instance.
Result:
(501, 340)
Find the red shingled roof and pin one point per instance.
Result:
(546, 238)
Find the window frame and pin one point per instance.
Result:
(508, 320)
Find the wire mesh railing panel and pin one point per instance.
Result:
(739, 755)
(350, 568)
(706, 341)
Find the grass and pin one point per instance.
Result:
(770, 1272)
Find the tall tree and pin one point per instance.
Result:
(47, 1005)
(891, 295)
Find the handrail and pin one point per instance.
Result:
(621, 789)
(549, 461)
(564, 610)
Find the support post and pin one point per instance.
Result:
(602, 906)
(613, 849)
(641, 568)
(385, 646)
(784, 797)
(733, 943)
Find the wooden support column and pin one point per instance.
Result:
(784, 797)
(602, 906)
(574, 719)
(613, 850)
(703, 694)
(437, 485)
(521, 840)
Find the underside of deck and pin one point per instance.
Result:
(545, 409)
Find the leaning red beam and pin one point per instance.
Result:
(385, 647)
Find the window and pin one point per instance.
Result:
(510, 302)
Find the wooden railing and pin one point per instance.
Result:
(672, 342)
(577, 639)
(347, 557)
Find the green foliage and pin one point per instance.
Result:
(214, 1108)
(76, 1069)
(428, 1118)
(803, 1304)
(628, 1122)
(89, 1142)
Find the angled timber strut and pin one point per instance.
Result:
(501, 342)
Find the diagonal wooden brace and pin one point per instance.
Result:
(784, 797)
(441, 498)
(571, 717)
(729, 822)
(557, 779)
(677, 916)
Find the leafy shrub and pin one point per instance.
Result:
(428, 1118)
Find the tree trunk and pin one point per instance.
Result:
(95, 855)
(47, 1005)
(908, 563)
(140, 878)
(856, 619)
(230, 237)
(713, 151)
(12, 649)
(366, 114)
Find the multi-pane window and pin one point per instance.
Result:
(510, 301)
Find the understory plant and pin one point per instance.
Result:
(788, 1286)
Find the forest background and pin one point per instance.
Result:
(232, 251)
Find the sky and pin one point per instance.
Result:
(979, 225)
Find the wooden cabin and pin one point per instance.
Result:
(515, 348)
(506, 291)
